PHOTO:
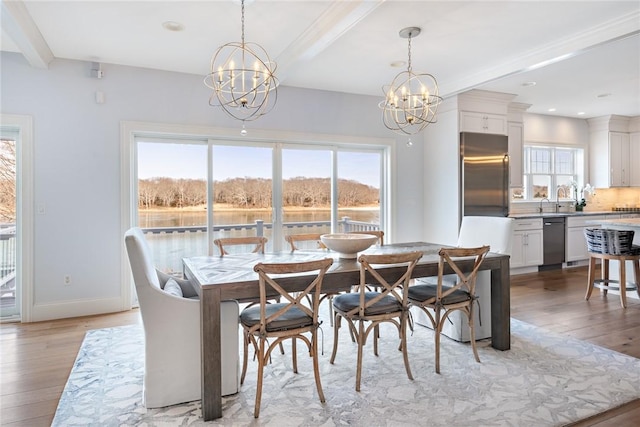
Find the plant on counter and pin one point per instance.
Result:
(586, 189)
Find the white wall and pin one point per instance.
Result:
(558, 130)
(77, 163)
(442, 177)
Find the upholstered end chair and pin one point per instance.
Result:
(476, 231)
(170, 311)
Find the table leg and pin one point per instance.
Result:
(211, 354)
(500, 306)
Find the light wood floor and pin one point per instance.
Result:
(36, 358)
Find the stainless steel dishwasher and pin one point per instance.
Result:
(553, 235)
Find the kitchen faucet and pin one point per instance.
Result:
(540, 208)
(564, 194)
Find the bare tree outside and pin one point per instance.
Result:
(7, 180)
(253, 193)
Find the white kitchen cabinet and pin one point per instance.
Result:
(483, 123)
(612, 156)
(516, 136)
(634, 159)
(619, 159)
(527, 249)
(576, 244)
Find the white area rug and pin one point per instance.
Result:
(544, 380)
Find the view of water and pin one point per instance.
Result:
(190, 218)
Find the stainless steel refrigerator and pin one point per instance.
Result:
(484, 170)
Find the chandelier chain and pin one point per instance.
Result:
(409, 49)
(242, 21)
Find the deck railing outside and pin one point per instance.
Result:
(170, 244)
(7, 263)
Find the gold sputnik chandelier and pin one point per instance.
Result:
(242, 80)
(411, 101)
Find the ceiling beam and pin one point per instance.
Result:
(336, 20)
(18, 24)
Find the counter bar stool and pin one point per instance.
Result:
(606, 245)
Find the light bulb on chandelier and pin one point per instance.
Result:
(412, 99)
(242, 80)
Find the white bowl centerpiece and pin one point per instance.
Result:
(348, 245)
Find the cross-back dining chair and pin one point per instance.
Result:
(294, 239)
(290, 319)
(371, 308)
(445, 298)
(257, 242)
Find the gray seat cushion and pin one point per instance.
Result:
(294, 318)
(347, 302)
(424, 292)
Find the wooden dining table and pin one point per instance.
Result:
(232, 278)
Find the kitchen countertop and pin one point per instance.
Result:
(624, 222)
(560, 214)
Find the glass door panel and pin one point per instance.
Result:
(359, 183)
(172, 200)
(306, 193)
(242, 192)
(9, 291)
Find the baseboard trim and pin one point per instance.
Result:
(77, 308)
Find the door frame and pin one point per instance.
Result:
(24, 212)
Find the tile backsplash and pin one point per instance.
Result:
(605, 199)
(608, 198)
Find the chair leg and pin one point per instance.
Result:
(336, 327)
(360, 345)
(376, 335)
(245, 356)
(472, 331)
(605, 274)
(261, 363)
(403, 339)
(436, 332)
(294, 355)
(623, 283)
(316, 368)
(591, 277)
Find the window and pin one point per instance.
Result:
(184, 192)
(551, 172)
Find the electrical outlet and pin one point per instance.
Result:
(67, 280)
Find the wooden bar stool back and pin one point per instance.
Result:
(606, 245)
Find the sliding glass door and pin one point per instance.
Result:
(172, 199)
(242, 191)
(189, 192)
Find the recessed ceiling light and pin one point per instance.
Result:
(551, 110)
(604, 95)
(581, 113)
(398, 64)
(173, 26)
(527, 84)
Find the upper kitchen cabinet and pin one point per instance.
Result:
(516, 142)
(483, 123)
(484, 112)
(614, 152)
